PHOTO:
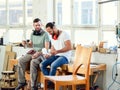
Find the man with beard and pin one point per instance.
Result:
(60, 51)
(39, 40)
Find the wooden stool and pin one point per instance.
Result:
(8, 80)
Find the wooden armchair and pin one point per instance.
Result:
(82, 60)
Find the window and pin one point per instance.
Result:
(15, 35)
(28, 33)
(109, 20)
(29, 12)
(63, 12)
(109, 13)
(59, 16)
(86, 37)
(3, 16)
(85, 12)
(74, 16)
(2, 31)
(15, 12)
(110, 38)
(16, 19)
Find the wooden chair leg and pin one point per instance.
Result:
(87, 86)
(64, 87)
(57, 87)
(73, 87)
(45, 85)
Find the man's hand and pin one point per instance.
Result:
(47, 55)
(53, 52)
(23, 43)
(36, 55)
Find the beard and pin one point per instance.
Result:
(53, 34)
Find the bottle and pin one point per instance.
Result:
(118, 30)
(1, 41)
(93, 45)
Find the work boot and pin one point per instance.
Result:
(34, 88)
(20, 85)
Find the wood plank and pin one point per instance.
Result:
(8, 48)
(11, 64)
(8, 55)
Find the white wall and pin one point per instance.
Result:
(2, 55)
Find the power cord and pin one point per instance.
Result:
(116, 74)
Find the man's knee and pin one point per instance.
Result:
(34, 62)
(53, 66)
(20, 61)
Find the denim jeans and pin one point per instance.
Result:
(54, 62)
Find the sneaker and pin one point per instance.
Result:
(20, 85)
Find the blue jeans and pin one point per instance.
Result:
(54, 62)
